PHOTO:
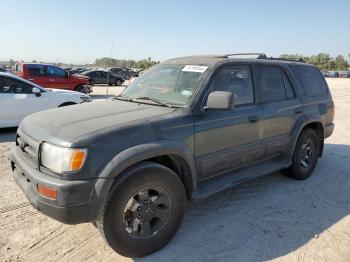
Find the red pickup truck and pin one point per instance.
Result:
(52, 76)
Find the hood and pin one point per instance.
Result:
(80, 76)
(64, 125)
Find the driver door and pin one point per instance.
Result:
(226, 140)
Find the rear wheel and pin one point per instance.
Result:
(118, 82)
(305, 156)
(144, 211)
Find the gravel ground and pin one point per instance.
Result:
(270, 218)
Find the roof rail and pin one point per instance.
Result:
(262, 56)
(255, 55)
(301, 60)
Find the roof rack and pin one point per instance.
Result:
(255, 55)
(262, 56)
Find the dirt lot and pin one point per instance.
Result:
(270, 218)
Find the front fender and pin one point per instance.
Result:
(136, 154)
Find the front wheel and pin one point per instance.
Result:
(144, 211)
(305, 156)
(80, 88)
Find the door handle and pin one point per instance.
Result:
(253, 119)
(52, 80)
(298, 111)
(31, 79)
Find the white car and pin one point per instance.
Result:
(19, 98)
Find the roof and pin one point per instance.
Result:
(211, 60)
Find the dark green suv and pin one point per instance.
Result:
(185, 129)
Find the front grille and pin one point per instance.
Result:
(29, 149)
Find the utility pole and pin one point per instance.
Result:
(109, 69)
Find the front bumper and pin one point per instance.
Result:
(73, 203)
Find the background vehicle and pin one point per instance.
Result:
(51, 76)
(100, 77)
(345, 74)
(185, 129)
(125, 74)
(19, 98)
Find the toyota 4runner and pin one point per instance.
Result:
(185, 129)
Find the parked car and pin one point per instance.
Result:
(121, 72)
(100, 77)
(184, 130)
(52, 76)
(20, 98)
(344, 74)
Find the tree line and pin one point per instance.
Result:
(322, 60)
(123, 63)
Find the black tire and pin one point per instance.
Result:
(80, 88)
(92, 82)
(67, 104)
(306, 154)
(118, 82)
(146, 194)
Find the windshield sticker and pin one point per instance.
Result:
(194, 68)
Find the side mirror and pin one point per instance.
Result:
(221, 100)
(36, 91)
(67, 74)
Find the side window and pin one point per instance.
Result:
(14, 86)
(289, 89)
(237, 80)
(311, 80)
(53, 71)
(36, 70)
(271, 83)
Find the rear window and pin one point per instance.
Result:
(311, 80)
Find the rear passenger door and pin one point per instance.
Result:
(37, 74)
(280, 108)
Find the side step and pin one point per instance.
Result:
(213, 186)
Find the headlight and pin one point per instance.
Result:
(62, 159)
(86, 98)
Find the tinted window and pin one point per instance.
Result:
(10, 85)
(53, 71)
(237, 80)
(271, 84)
(311, 80)
(36, 70)
(288, 86)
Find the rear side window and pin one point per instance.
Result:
(271, 83)
(311, 80)
(36, 70)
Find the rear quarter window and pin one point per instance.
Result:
(311, 80)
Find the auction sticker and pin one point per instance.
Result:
(194, 68)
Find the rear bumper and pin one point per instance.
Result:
(328, 130)
(73, 203)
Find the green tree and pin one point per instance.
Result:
(341, 63)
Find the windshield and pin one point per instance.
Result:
(171, 84)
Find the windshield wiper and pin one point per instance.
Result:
(154, 100)
(123, 97)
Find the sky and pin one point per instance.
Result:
(79, 31)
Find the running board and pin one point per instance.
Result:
(213, 186)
